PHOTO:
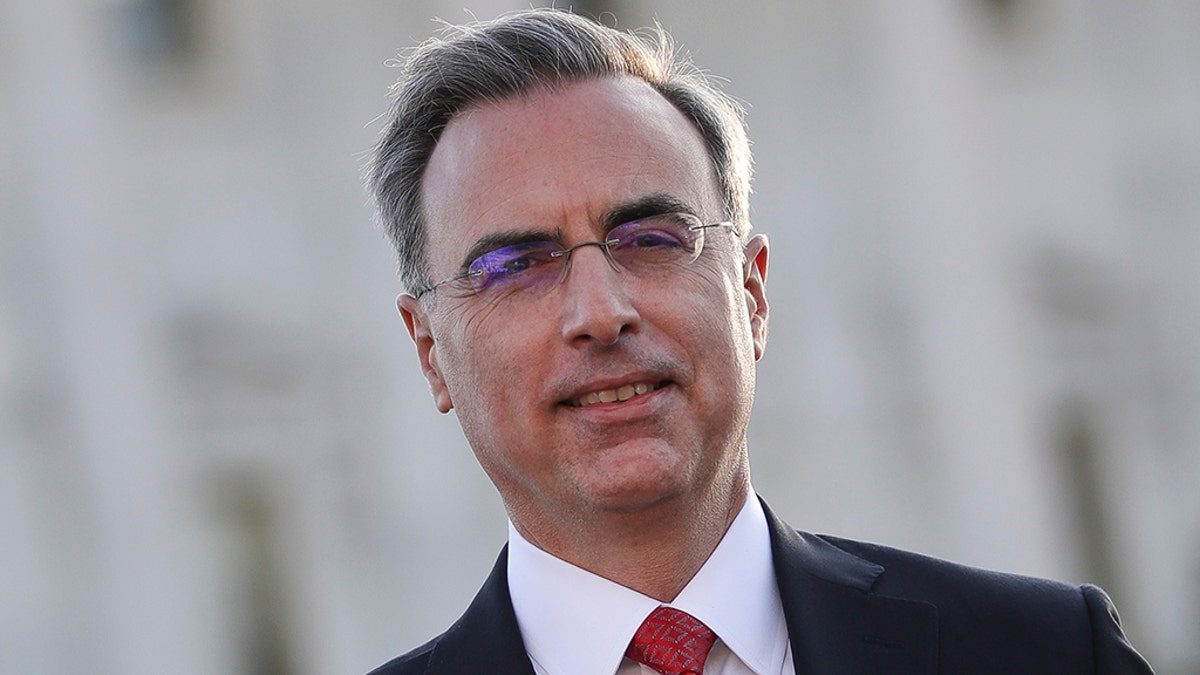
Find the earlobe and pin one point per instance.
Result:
(754, 276)
(417, 322)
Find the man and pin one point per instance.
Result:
(570, 207)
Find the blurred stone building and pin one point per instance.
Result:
(217, 454)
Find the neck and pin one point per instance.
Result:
(655, 551)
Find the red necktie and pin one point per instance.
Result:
(672, 642)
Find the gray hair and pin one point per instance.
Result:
(495, 60)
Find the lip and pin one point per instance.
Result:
(616, 395)
(614, 392)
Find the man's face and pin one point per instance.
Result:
(557, 163)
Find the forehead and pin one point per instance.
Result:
(558, 159)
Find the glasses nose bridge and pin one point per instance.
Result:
(568, 253)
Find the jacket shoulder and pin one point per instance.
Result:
(412, 663)
(980, 611)
(907, 573)
(957, 587)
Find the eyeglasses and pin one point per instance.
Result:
(648, 247)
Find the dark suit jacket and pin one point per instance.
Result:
(859, 608)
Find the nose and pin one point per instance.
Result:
(597, 307)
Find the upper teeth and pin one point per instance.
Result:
(612, 395)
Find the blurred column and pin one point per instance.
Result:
(101, 312)
(995, 484)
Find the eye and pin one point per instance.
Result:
(651, 239)
(516, 265)
(664, 232)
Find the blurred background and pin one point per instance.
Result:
(217, 454)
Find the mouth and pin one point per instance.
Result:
(618, 395)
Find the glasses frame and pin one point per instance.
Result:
(604, 245)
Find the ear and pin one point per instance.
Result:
(754, 276)
(417, 322)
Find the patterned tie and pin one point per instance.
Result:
(672, 642)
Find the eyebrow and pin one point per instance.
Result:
(650, 205)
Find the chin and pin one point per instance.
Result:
(634, 497)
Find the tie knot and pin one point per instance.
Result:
(672, 642)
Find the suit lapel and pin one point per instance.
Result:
(486, 639)
(836, 623)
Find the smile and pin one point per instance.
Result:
(614, 395)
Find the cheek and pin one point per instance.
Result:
(486, 361)
(715, 330)
(713, 310)
(484, 383)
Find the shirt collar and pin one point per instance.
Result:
(576, 622)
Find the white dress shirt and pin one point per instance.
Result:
(577, 623)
